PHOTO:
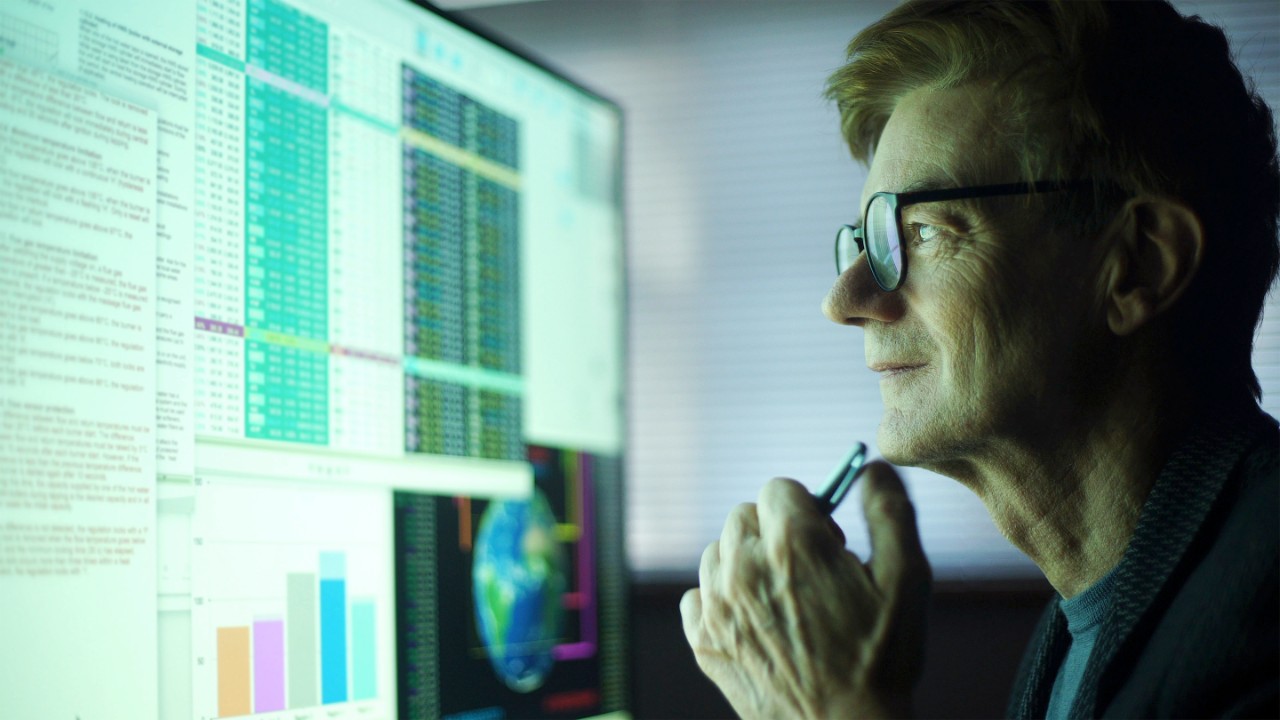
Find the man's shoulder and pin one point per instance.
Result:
(1260, 466)
(1238, 548)
(1193, 630)
(1213, 646)
(1236, 551)
(1243, 530)
(1249, 507)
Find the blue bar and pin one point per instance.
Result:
(333, 627)
(364, 677)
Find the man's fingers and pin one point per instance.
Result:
(740, 531)
(786, 507)
(897, 559)
(691, 616)
(791, 526)
(709, 567)
(711, 658)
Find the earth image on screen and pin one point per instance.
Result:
(518, 577)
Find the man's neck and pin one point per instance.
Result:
(1075, 521)
(1070, 497)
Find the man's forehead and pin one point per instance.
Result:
(936, 138)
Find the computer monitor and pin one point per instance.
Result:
(311, 367)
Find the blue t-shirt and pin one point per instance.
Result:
(1084, 614)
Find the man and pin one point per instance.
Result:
(1068, 230)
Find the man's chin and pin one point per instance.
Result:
(943, 447)
(904, 441)
(895, 444)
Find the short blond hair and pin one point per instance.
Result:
(1131, 95)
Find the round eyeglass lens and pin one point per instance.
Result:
(884, 247)
(846, 248)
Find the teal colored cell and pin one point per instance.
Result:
(286, 238)
(288, 393)
(287, 42)
(219, 57)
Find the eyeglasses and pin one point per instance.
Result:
(881, 236)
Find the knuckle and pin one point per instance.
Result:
(744, 574)
(707, 565)
(708, 661)
(743, 515)
(710, 554)
(781, 550)
(777, 490)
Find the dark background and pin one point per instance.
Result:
(977, 633)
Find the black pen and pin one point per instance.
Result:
(842, 478)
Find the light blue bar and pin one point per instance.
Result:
(365, 117)
(333, 566)
(364, 677)
(475, 377)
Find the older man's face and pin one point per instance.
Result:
(987, 336)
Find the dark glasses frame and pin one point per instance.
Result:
(897, 201)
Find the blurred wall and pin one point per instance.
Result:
(736, 179)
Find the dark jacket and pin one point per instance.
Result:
(1193, 629)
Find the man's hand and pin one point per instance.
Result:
(790, 624)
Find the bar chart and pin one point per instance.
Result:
(292, 604)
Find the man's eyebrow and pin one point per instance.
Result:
(928, 184)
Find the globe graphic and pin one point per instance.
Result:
(518, 577)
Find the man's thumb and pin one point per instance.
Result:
(897, 558)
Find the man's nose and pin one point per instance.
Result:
(855, 297)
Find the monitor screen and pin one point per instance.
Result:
(311, 367)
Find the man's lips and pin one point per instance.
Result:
(890, 369)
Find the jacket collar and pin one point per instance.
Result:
(1175, 510)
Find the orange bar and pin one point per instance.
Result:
(464, 523)
(573, 487)
(233, 671)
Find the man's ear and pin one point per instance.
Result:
(1156, 247)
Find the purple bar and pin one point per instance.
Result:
(586, 568)
(574, 651)
(217, 326)
(268, 665)
(364, 354)
(588, 564)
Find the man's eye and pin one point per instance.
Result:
(927, 232)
